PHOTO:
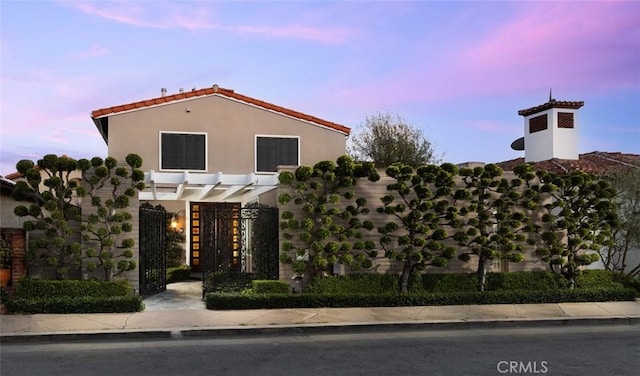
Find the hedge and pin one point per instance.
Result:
(265, 286)
(178, 273)
(38, 288)
(369, 283)
(226, 301)
(113, 304)
(73, 296)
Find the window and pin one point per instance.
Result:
(272, 152)
(565, 119)
(538, 123)
(183, 151)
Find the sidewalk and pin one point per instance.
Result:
(179, 314)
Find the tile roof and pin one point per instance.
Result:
(551, 104)
(595, 162)
(215, 90)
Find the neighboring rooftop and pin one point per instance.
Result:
(218, 91)
(595, 162)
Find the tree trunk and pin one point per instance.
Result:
(482, 273)
(108, 274)
(404, 277)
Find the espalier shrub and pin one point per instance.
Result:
(59, 232)
(323, 226)
(419, 209)
(580, 207)
(105, 229)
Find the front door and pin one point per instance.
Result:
(215, 236)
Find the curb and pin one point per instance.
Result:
(182, 333)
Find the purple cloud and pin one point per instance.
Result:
(576, 47)
(188, 17)
(93, 51)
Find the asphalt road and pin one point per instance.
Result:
(598, 350)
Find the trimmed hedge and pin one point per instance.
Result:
(369, 283)
(364, 283)
(40, 288)
(113, 304)
(225, 301)
(73, 296)
(267, 286)
(178, 273)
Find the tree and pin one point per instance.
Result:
(56, 214)
(626, 237)
(420, 208)
(327, 229)
(579, 217)
(492, 225)
(385, 139)
(110, 219)
(52, 213)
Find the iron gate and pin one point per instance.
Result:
(153, 255)
(260, 241)
(239, 243)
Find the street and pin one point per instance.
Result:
(573, 350)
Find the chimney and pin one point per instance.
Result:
(181, 90)
(550, 131)
(163, 92)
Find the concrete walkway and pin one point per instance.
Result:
(179, 312)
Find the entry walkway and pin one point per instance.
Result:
(179, 312)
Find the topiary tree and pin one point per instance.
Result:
(110, 220)
(326, 229)
(579, 215)
(53, 210)
(421, 208)
(492, 228)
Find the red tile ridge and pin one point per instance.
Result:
(224, 92)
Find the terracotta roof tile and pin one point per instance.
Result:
(551, 104)
(595, 162)
(223, 92)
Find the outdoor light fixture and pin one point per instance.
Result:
(174, 222)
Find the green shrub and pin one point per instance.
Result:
(178, 273)
(588, 279)
(539, 281)
(224, 301)
(113, 304)
(73, 296)
(40, 288)
(628, 282)
(449, 282)
(227, 282)
(370, 283)
(265, 286)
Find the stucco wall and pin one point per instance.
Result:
(373, 192)
(231, 127)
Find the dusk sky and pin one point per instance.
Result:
(458, 70)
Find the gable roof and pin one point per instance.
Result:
(595, 162)
(213, 91)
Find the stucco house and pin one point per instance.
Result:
(207, 154)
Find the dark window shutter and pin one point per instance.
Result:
(275, 151)
(183, 151)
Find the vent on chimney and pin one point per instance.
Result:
(163, 92)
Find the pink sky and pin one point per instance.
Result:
(458, 70)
